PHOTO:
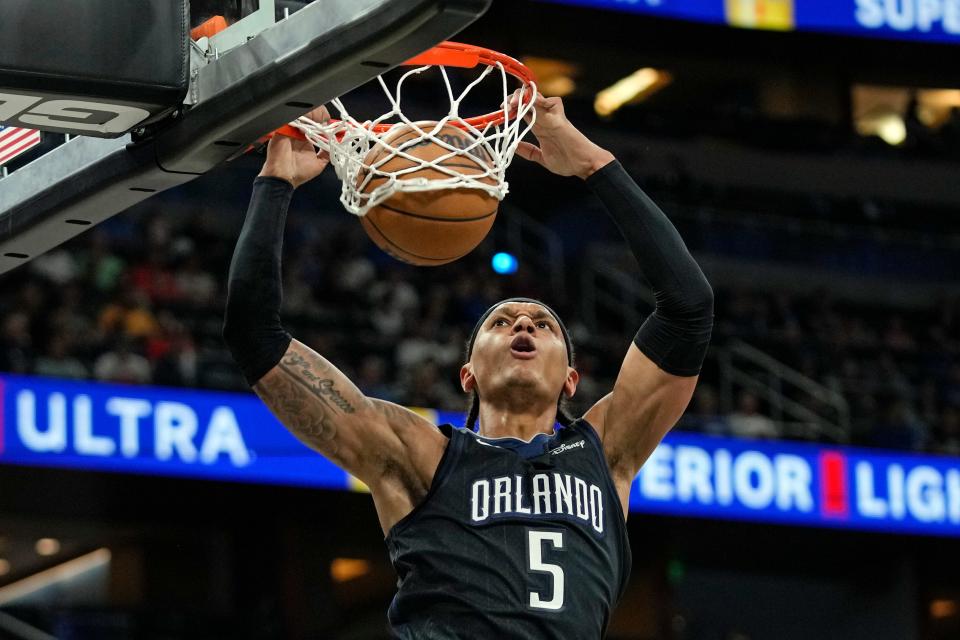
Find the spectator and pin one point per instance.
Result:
(195, 286)
(171, 352)
(898, 428)
(356, 274)
(393, 301)
(59, 267)
(122, 365)
(747, 422)
(426, 388)
(427, 343)
(102, 267)
(704, 415)
(866, 415)
(32, 299)
(16, 344)
(371, 379)
(897, 338)
(467, 300)
(72, 317)
(58, 361)
(154, 278)
(129, 316)
(298, 298)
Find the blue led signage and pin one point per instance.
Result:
(924, 20)
(230, 436)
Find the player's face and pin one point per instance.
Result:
(520, 348)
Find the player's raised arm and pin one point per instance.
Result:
(662, 365)
(311, 397)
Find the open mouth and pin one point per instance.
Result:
(522, 347)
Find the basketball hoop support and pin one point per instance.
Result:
(270, 80)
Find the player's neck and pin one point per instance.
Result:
(497, 422)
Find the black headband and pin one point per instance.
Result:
(486, 314)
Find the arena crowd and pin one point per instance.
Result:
(140, 301)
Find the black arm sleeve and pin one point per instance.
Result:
(676, 335)
(251, 324)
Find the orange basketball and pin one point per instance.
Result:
(429, 228)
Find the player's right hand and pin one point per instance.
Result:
(296, 161)
(563, 149)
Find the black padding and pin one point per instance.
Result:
(133, 54)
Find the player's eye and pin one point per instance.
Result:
(499, 322)
(543, 324)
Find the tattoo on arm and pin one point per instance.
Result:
(307, 400)
(323, 409)
(322, 388)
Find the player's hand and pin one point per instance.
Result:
(563, 149)
(296, 161)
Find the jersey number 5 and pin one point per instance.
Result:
(535, 542)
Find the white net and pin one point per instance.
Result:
(360, 152)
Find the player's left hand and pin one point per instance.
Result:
(296, 161)
(563, 149)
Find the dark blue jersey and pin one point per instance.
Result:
(513, 540)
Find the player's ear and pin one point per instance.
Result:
(570, 384)
(467, 381)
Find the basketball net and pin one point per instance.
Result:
(493, 138)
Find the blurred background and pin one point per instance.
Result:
(809, 156)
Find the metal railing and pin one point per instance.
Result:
(605, 288)
(744, 366)
(534, 244)
(793, 225)
(607, 291)
(17, 629)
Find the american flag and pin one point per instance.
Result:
(14, 141)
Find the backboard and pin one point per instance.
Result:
(241, 89)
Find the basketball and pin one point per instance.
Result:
(429, 228)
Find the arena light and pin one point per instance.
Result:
(892, 130)
(639, 85)
(887, 125)
(504, 263)
(47, 546)
(935, 106)
(943, 608)
(931, 106)
(554, 77)
(347, 569)
(560, 86)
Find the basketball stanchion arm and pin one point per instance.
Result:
(323, 51)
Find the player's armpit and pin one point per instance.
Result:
(327, 412)
(645, 403)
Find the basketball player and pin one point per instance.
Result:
(516, 531)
